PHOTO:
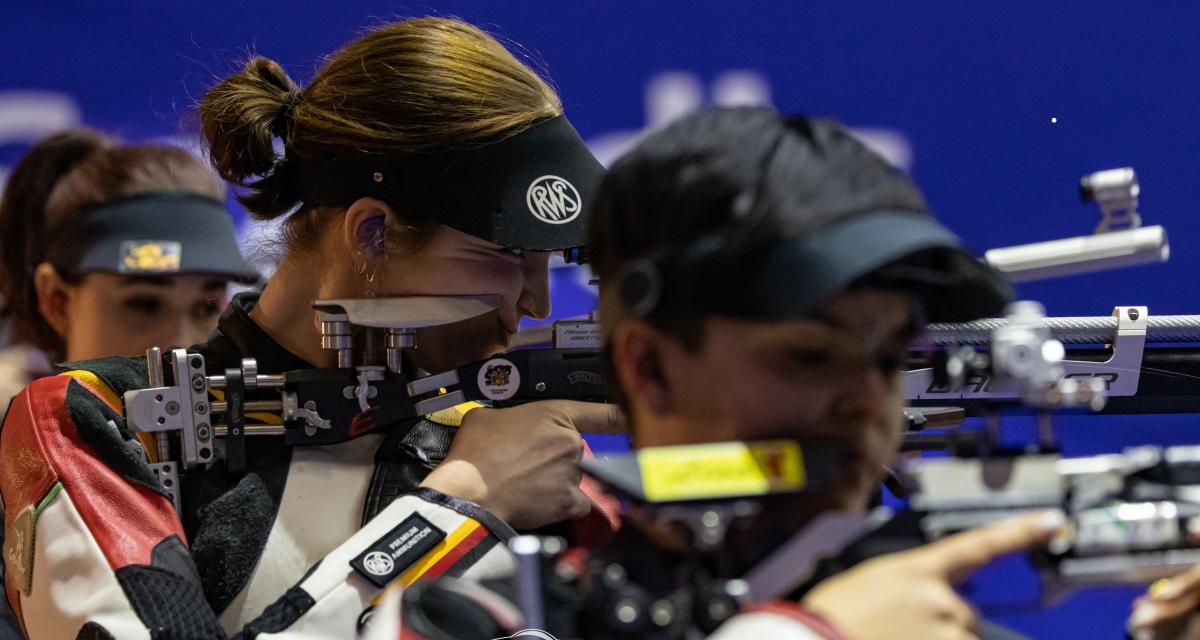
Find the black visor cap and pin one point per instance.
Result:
(154, 234)
(901, 250)
(529, 191)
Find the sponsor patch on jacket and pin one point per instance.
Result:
(150, 256)
(396, 551)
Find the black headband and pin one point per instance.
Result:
(904, 250)
(161, 233)
(527, 191)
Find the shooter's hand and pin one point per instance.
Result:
(522, 463)
(1168, 611)
(911, 595)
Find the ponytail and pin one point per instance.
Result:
(23, 226)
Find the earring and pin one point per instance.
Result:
(372, 276)
(369, 275)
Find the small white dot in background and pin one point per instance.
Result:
(1053, 120)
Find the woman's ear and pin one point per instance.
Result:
(364, 228)
(639, 353)
(54, 298)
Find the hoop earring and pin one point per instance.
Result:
(369, 275)
(370, 280)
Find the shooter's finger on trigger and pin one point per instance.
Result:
(960, 555)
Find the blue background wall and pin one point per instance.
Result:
(963, 94)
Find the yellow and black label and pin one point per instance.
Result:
(150, 256)
(721, 470)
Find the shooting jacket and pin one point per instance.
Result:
(94, 548)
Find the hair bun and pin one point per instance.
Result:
(241, 117)
(282, 125)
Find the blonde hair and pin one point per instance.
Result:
(415, 85)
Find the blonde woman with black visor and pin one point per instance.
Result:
(407, 166)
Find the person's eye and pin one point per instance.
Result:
(512, 255)
(207, 308)
(145, 305)
(889, 363)
(806, 358)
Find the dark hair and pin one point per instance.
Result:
(747, 176)
(415, 85)
(738, 181)
(66, 175)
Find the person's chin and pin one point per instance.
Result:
(504, 338)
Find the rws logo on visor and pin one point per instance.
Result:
(553, 200)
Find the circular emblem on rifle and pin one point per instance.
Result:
(499, 379)
(553, 200)
(378, 563)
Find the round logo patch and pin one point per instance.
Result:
(553, 200)
(379, 563)
(499, 379)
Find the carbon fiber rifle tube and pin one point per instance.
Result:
(1071, 330)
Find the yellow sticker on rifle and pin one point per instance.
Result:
(726, 469)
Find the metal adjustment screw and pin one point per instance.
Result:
(719, 609)
(540, 387)
(202, 431)
(335, 336)
(250, 373)
(626, 610)
(377, 177)
(737, 589)
(201, 407)
(172, 408)
(198, 382)
(662, 613)
(1133, 314)
(397, 340)
(614, 575)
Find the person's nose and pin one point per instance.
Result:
(189, 331)
(862, 395)
(535, 291)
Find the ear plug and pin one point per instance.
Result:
(371, 234)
